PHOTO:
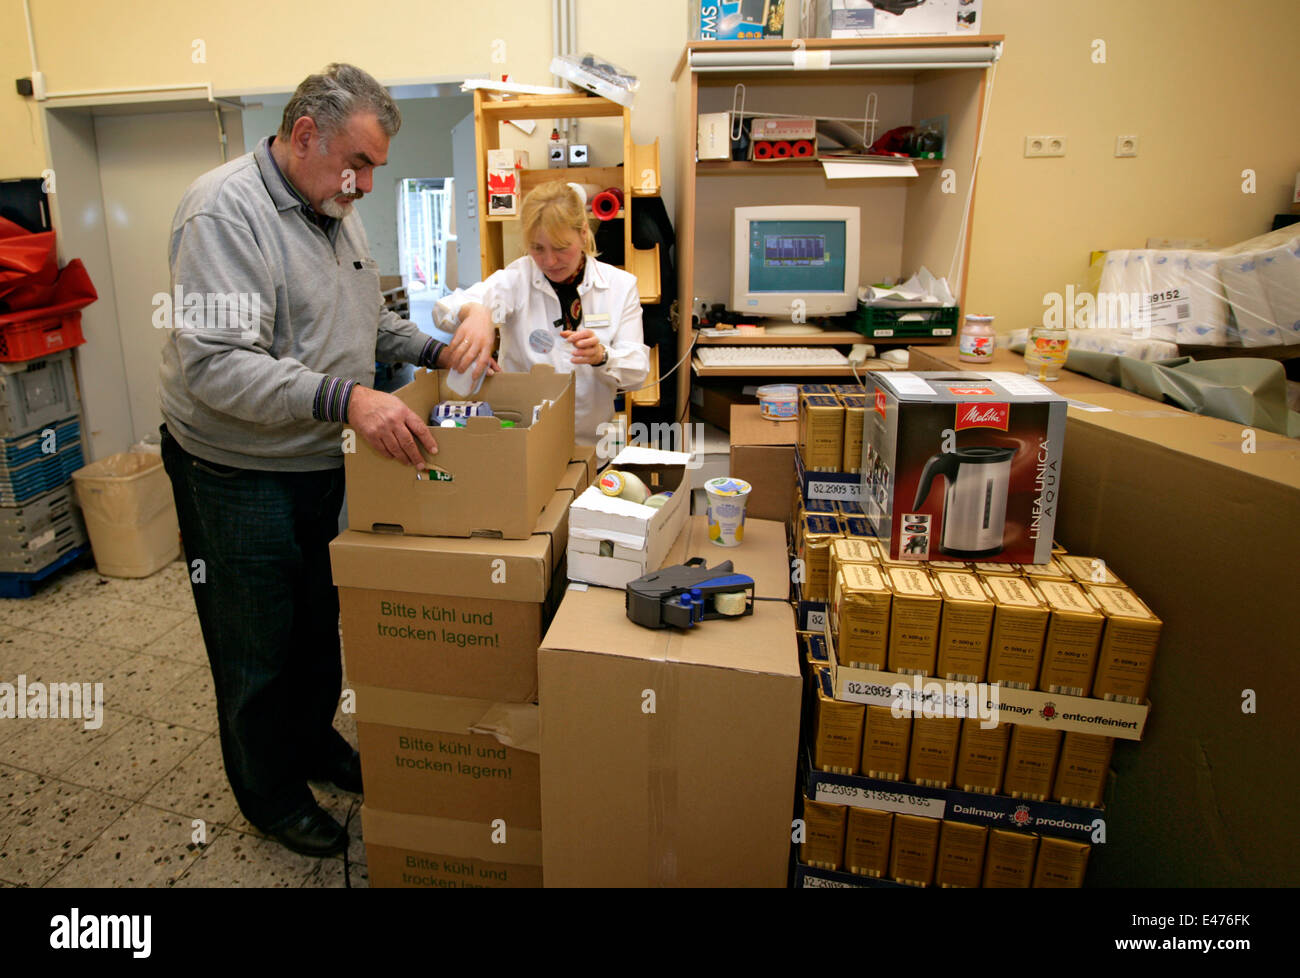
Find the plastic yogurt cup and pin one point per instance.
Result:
(726, 515)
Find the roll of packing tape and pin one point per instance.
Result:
(803, 149)
(762, 150)
(730, 603)
(606, 204)
(782, 149)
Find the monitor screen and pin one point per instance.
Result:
(796, 256)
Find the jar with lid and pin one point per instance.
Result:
(977, 340)
(1046, 352)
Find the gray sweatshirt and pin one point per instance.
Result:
(277, 320)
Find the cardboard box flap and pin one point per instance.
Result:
(596, 621)
(472, 567)
(511, 724)
(633, 541)
(450, 837)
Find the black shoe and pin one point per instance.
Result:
(344, 774)
(314, 834)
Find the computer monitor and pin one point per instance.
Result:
(784, 254)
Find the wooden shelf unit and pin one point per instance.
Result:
(914, 222)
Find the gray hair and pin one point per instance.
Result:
(331, 97)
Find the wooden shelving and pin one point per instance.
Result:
(645, 266)
(734, 167)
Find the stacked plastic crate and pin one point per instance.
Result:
(40, 431)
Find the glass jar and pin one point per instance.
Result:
(977, 340)
(1045, 352)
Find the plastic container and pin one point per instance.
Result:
(36, 392)
(126, 500)
(1046, 352)
(40, 337)
(977, 340)
(779, 402)
(598, 76)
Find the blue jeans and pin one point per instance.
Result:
(270, 616)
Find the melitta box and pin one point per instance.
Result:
(613, 540)
(420, 852)
(962, 466)
(485, 479)
(451, 616)
(449, 757)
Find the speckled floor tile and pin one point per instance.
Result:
(22, 649)
(140, 685)
(145, 847)
(16, 787)
(183, 641)
(78, 616)
(135, 758)
(53, 825)
(192, 702)
(235, 859)
(197, 787)
(330, 875)
(136, 627)
(50, 747)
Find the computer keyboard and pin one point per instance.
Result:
(770, 356)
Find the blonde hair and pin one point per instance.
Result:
(555, 209)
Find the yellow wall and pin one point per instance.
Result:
(1208, 86)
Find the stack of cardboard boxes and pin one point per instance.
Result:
(447, 581)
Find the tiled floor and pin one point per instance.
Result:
(142, 800)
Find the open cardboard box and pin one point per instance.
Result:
(485, 479)
(639, 535)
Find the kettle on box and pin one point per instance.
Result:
(975, 501)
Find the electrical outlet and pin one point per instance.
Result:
(1044, 146)
(1126, 146)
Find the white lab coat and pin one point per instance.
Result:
(522, 301)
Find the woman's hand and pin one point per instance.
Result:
(586, 348)
(447, 361)
(474, 339)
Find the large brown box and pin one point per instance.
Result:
(654, 771)
(762, 453)
(419, 852)
(484, 478)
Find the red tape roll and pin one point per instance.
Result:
(605, 205)
(782, 149)
(762, 150)
(803, 148)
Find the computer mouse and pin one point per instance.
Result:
(895, 356)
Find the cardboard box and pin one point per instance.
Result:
(866, 842)
(1089, 570)
(813, 547)
(886, 744)
(1128, 645)
(982, 757)
(713, 136)
(855, 411)
(448, 757)
(612, 540)
(934, 751)
(1124, 451)
(415, 851)
(1061, 863)
(1031, 762)
(859, 616)
(913, 621)
(485, 479)
(1019, 628)
(507, 159)
(914, 848)
(836, 730)
(823, 844)
(961, 854)
(1082, 769)
(654, 772)
(965, 628)
(480, 642)
(959, 468)
(1073, 638)
(1009, 861)
(762, 453)
(821, 431)
(863, 18)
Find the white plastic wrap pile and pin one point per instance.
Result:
(1245, 295)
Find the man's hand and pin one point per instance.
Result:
(474, 339)
(390, 427)
(586, 348)
(446, 360)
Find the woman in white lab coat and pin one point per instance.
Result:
(559, 305)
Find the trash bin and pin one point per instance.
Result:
(130, 515)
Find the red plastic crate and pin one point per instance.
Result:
(40, 337)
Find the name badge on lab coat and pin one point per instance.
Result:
(595, 320)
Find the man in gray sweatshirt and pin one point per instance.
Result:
(274, 352)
